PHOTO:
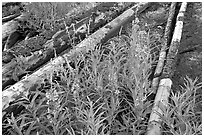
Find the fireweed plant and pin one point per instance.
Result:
(104, 92)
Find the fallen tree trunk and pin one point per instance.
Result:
(9, 18)
(28, 61)
(165, 46)
(22, 87)
(60, 41)
(12, 25)
(161, 99)
(160, 106)
(171, 60)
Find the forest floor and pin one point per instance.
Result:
(100, 109)
(190, 61)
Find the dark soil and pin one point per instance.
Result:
(190, 57)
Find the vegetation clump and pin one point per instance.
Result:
(106, 91)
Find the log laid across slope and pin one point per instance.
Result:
(165, 45)
(172, 56)
(9, 18)
(22, 87)
(12, 25)
(61, 41)
(163, 92)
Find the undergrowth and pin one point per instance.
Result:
(104, 92)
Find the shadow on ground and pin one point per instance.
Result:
(190, 60)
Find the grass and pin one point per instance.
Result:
(49, 12)
(105, 92)
(184, 114)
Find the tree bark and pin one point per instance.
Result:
(9, 18)
(165, 45)
(22, 87)
(160, 106)
(163, 92)
(12, 25)
(171, 60)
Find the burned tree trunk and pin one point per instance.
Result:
(163, 92)
(165, 46)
